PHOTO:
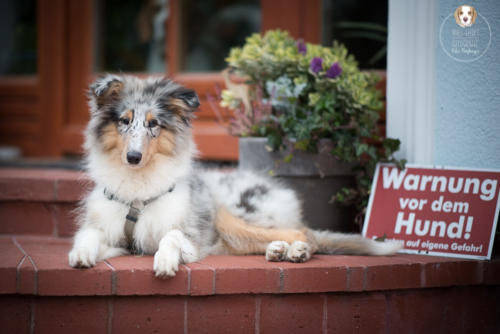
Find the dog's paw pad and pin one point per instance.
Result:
(82, 258)
(276, 251)
(166, 264)
(298, 251)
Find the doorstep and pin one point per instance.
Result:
(35, 265)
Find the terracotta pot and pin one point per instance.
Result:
(315, 176)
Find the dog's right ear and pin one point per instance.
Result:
(106, 90)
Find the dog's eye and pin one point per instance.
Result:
(461, 12)
(152, 123)
(124, 121)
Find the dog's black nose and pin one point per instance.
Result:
(134, 157)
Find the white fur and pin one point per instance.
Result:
(276, 251)
(280, 208)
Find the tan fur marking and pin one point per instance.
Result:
(129, 114)
(241, 238)
(149, 116)
(111, 139)
(166, 143)
(178, 103)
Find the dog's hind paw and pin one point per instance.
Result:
(276, 251)
(298, 251)
(82, 258)
(166, 264)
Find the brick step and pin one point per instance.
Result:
(40, 201)
(39, 292)
(403, 293)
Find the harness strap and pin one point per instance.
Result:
(135, 209)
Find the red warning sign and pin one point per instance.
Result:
(435, 211)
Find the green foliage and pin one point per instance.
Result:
(310, 99)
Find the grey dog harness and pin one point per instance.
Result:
(135, 209)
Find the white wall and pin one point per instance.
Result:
(411, 77)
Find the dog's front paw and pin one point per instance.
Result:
(82, 257)
(298, 251)
(276, 251)
(166, 264)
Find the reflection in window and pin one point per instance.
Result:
(130, 35)
(209, 29)
(361, 26)
(18, 37)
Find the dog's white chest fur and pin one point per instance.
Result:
(154, 221)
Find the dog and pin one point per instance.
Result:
(465, 16)
(151, 198)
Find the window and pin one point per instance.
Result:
(209, 29)
(361, 26)
(18, 38)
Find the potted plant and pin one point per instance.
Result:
(315, 113)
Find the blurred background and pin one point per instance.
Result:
(50, 50)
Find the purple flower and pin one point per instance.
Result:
(334, 71)
(316, 64)
(302, 47)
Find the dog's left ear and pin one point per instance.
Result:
(474, 15)
(189, 97)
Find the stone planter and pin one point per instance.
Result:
(314, 176)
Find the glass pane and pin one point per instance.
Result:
(130, 35)
(209, 29)
(17, 37)
(361, 26)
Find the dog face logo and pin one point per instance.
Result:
(465, 16)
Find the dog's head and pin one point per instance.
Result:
(465, 16)
(137, 119)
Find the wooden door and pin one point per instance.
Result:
(48, 111)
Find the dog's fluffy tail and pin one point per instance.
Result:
(328, 242)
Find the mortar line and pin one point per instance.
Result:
(348, 278)
(32, 316)
(365, 277)
(258, 302)
(423, 277)
(35, 289)
(480, 271)
(111, 311)
(18, 274)
(282, 279)
(185, 315)
(213, 281)
(325, 314)
(113, 277)
(55, 222)
(188, 280)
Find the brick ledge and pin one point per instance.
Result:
(42, 185)
(38, 266)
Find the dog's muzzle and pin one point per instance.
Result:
(134, 157)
